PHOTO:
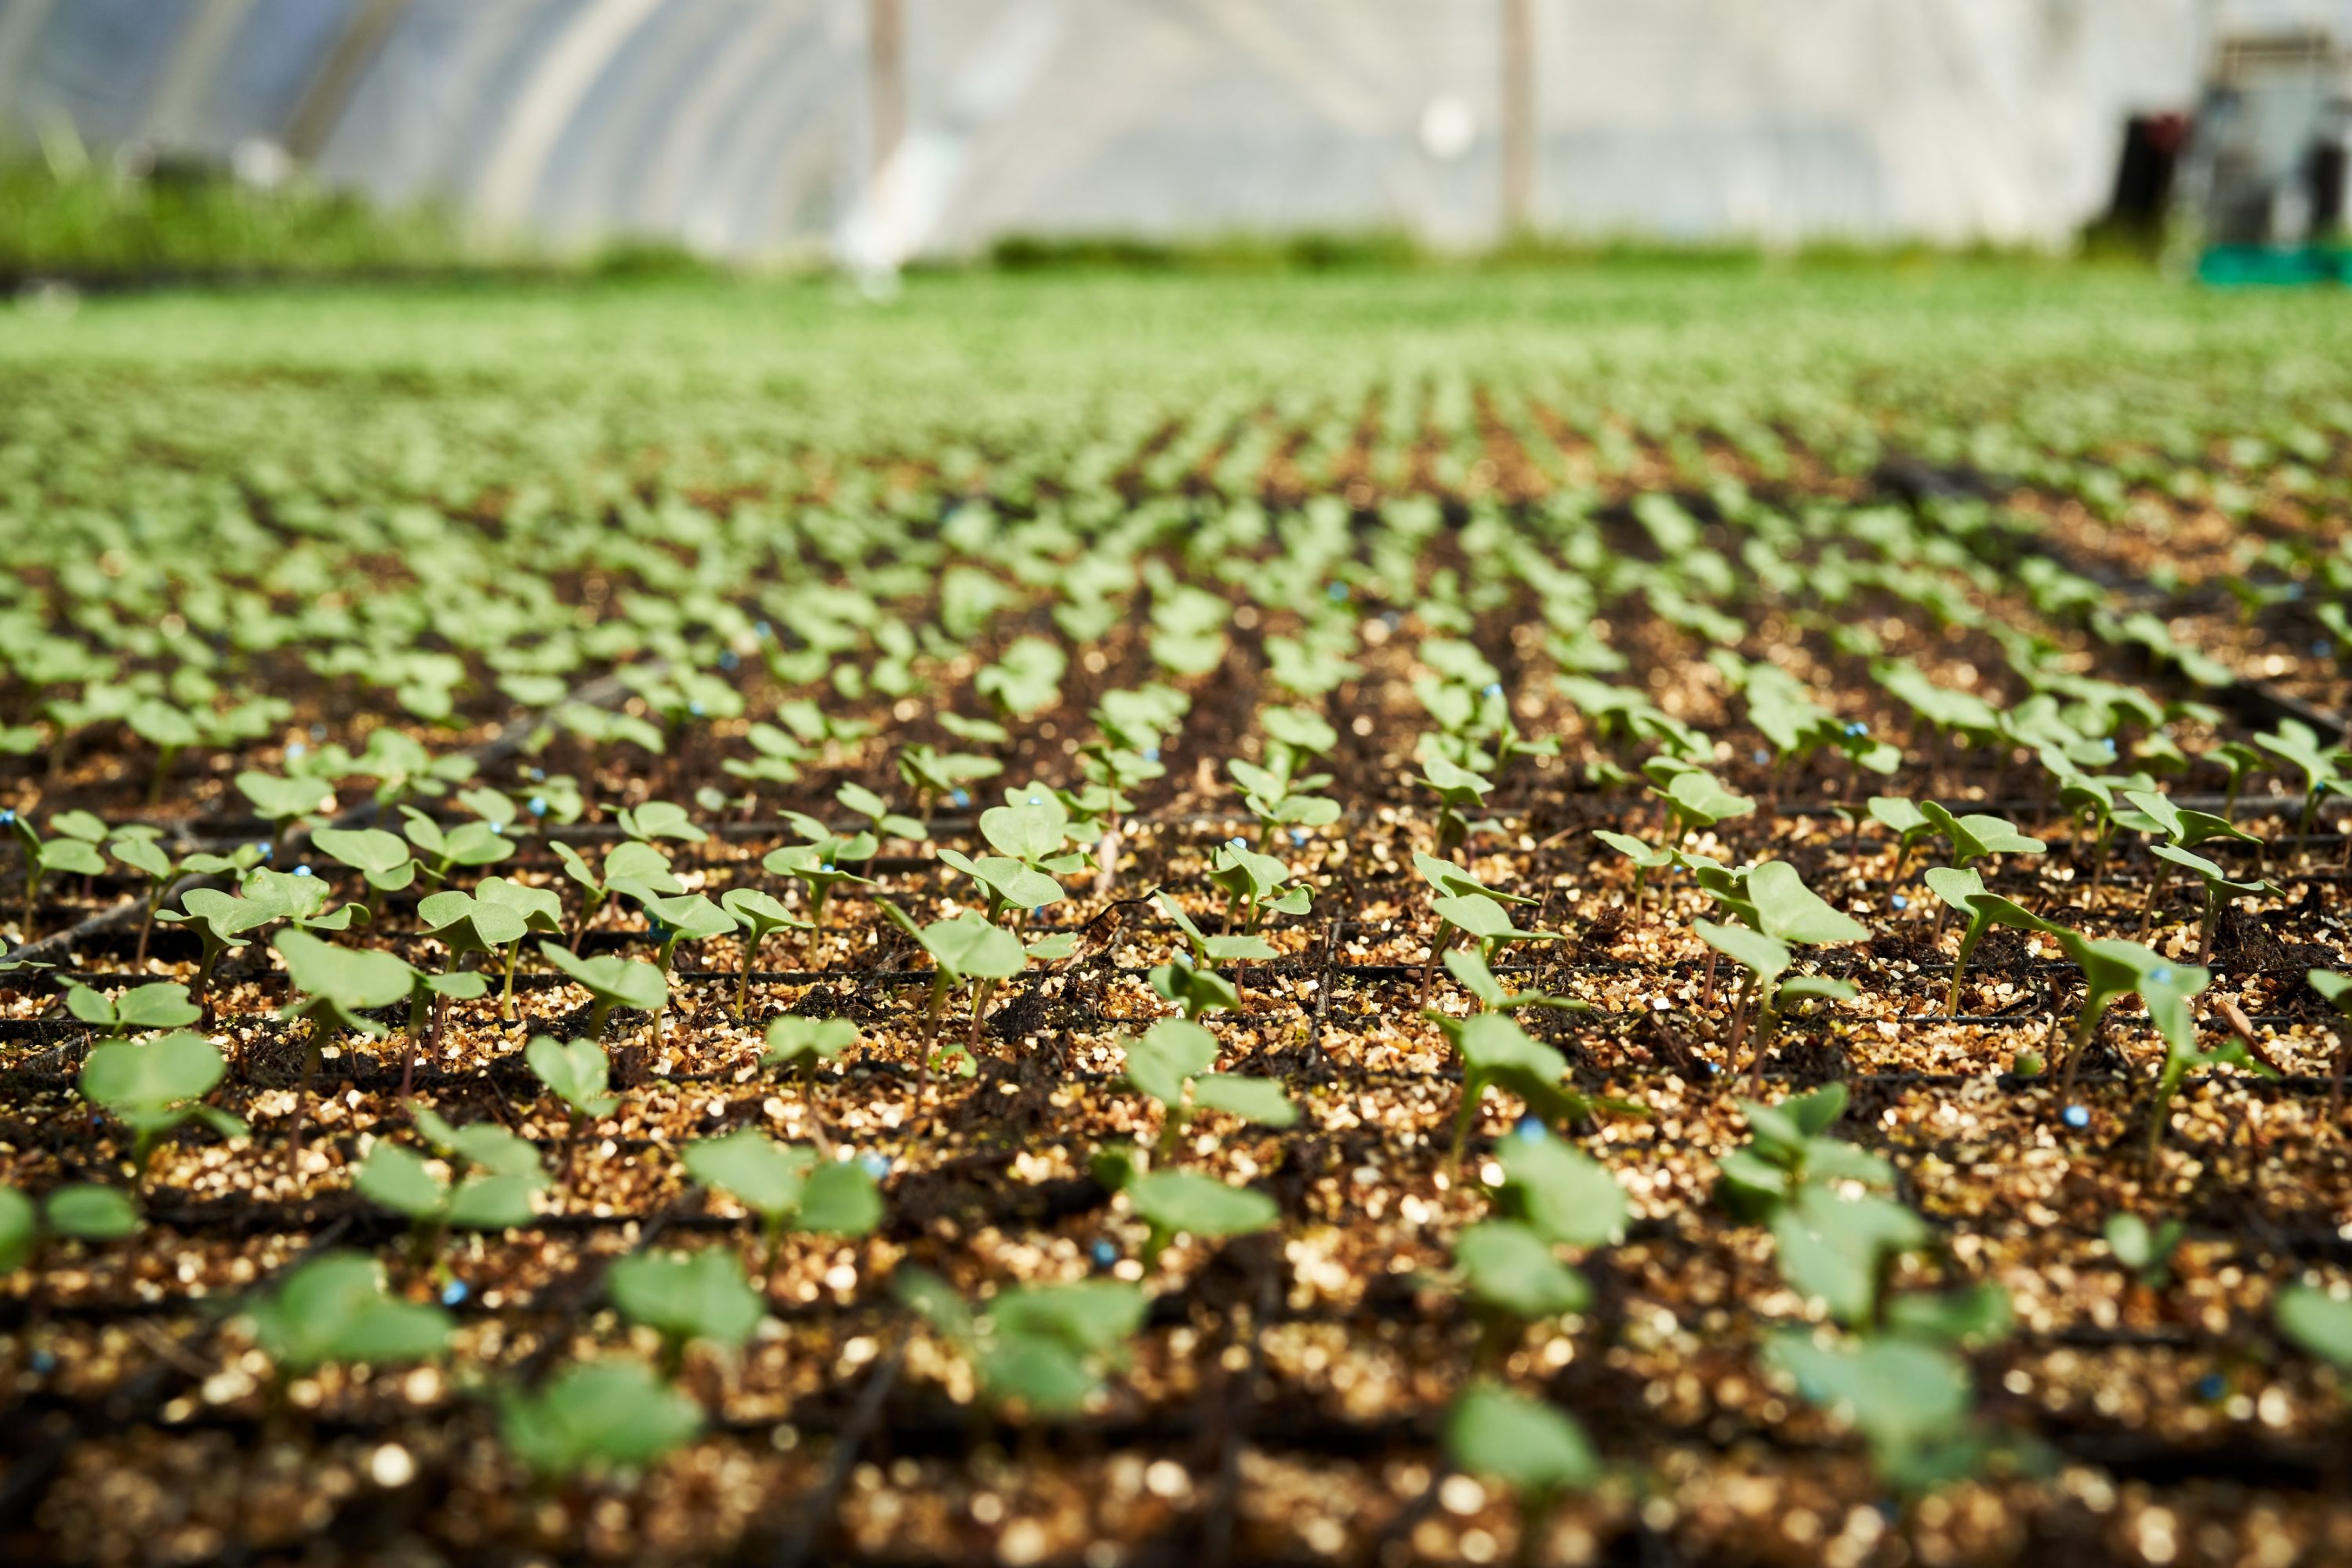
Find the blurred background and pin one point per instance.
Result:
(878, 132)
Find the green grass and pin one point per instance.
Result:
(994, 334)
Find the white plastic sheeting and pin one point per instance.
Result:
(742, 127)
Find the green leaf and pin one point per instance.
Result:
(687, 1296)
(1174, 1201)
(574, 1071)
(1899, 1392)
(1508, 1437)
(493, 1202)
(1167, 1053)
(969, 948)
(483, 1143)
(2333, 989)
(18, 1230)
(91, 1212)
(152, 1074)
(791, 1038)
(614, 981)
(158, 1004)
(335, 1308)
(766, 1177)
(1970, 1316)
(1258, 1099)
(595, 1415)
(660, 819)
(2319, 1323)
(381, 858)
(1510, 1267)
(1794, 912)
(1817, 1111)
(1832, 1247)
(840, 1199)
(1564, 1194)
(400, 1180)
(1043, 1373)
(1090, 1317)
(1763, 956)
(1030, 833)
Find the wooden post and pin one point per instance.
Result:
(1518, 63)
(886, 64)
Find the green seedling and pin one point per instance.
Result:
(778, 761)
(1965, 891)
(491, 1176)
(595, 1417)
(137, 849)
(282, 802)
(2146, 1249)
(1976, 837)
(820, 867)
(1527, 1445)
(685, 1297)
(2237, 760)
(339, 985)
(2181, 830)
(1764, 959)
(335, 1309)
(158, 1004)
(77, 1211)
(1646, 856)
(1551, 1195)
(2323, 770)
(1025, 679)
(758, 916)
(154, 1087)
(1788, 1146)
(1184, 1203)
(576, 1072)
(492, 919)
(469, 845)
(2113, 970)
(1902, 818)
(2221, 889)
(1497, 1054)
(965, 949)
(1046, 1346)
(935, 775)
(1459, 792)
(223, 921)
(1170, 1063)
(383, 860)
(611, 981)
(887, 824)
(2320, 1323)
(170, 731)
(787, 1187)
(1205, 951)
(1008, 883)
(2167, 990)
(1472, 971)
(1255, 884)
(1278, 794)
(1909, 1400)
(69, 852)
(629, 865)
(687, 917)
(659, 819)
(1693, 799)
(803, 1043)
